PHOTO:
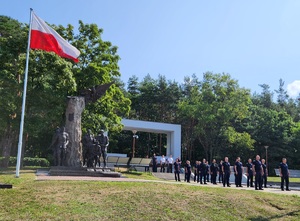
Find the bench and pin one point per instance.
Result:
(122, 162)
(139, 162)
(293, 173)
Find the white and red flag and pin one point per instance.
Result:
(45, 38)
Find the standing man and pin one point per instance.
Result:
(265, 173)
(226, 172)
(188, 171)
(249, 173)
(220, 172)
(258, 173)
(102, 144)
(177, 170)
(214, 171)
(162, 163)
(239, 170)
(196, 172)
(203, 171)
(170, 159)
(284, 174)
(154, 163)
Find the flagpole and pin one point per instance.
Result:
(24, 101)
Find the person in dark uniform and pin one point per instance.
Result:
(249, 173)
(196, 172)
(177, 170)
(258, 173)
(214, 171)
(220, 172)
(265, 175)
(235, 174)
(284, 174)
(239, 170)
(154, 163)
(203, 171)
(226, 172)
(207, 171)
(188, 171)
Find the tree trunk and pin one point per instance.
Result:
(75, 106)
(6, 144)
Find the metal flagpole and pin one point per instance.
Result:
(24, 101)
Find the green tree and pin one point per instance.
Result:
(12, 39)
(218, 103)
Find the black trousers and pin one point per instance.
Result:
(196, 176)
(188, 176)
(258, 180)
(202, 177)
(286, 180)
(238, 178)
(213, 178)
(220, 177)
(162, 167)
(177, 175)
(171, 168)
(250, 180)
(264, 180)
(226, 178)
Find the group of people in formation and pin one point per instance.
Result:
(256, 172)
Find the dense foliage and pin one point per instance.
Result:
(218, 117)
(50, 79)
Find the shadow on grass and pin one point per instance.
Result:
(292, 214)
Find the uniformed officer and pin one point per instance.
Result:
(207, 171)
(177, 170)
(265, 175)
(196, 172)
(249, 173)
(188, 171)
(203, 171)
(220, 172)
(257, 172)
(226, 172)
(214, 171)
(284, 174)
(239, 170)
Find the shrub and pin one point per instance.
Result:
(28, 161)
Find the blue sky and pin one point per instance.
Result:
(256, 42)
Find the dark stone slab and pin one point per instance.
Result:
(83, 171)
(5, 186)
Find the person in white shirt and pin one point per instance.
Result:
(170, 159)
(162, 163)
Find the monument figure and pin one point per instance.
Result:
(88, 150)
(59, 145)
(102, 144)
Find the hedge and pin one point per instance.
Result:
(28, 161)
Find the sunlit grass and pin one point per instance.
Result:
(31, 199)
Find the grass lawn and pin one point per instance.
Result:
(278, 179)
(93, 200)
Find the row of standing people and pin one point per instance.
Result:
(256, 169)
(165, 164)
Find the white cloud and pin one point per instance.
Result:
(293, 89)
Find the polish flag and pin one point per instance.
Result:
(45, 38)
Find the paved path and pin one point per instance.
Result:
(167, 179)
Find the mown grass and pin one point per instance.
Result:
(278, 179)
(93, 200)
